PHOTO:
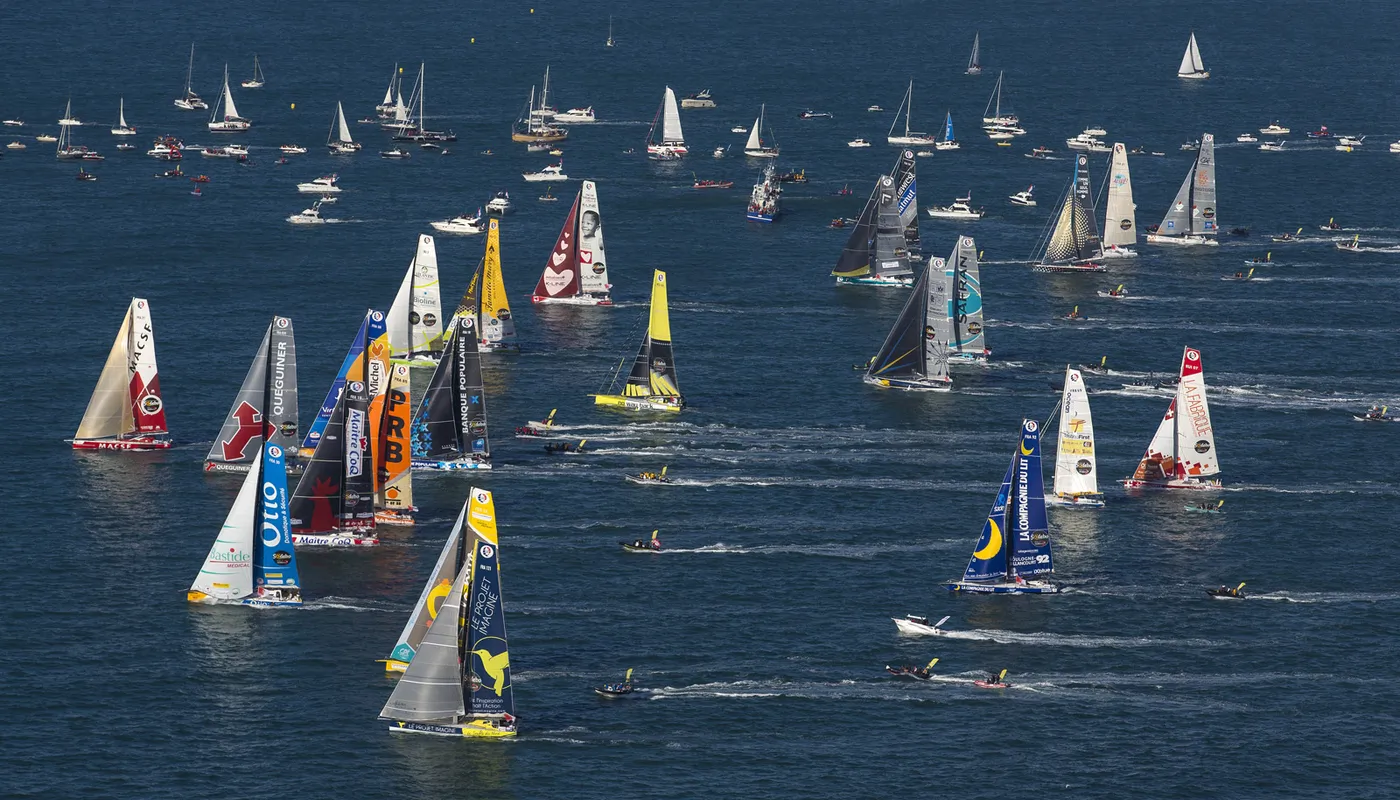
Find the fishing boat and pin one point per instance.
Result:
(700, 99)
(414, 321)
(876, 253)
(652, 384)
(265, 406)
(326, 184)
(189, 101)
(1073, 243)
(550, 173)
(960, 208)
(1192, 68)
(412, 125)
(486, 301)
(1192, 219)
(974, 61)
(649, 478)
(338, 139)
(967, 342)
(948, 143)
(1014, 546)
(308, 216)
(920, 626)
(615, 690)
(1275, 128)
(992, 114)
(906, 107)
(1120, 213)
(665, 137)
(333, 503)
(1182, 453)
(458, 680)
(449, 429)
(1076, 472)
(577, 270)
(914, 356)
(125, 411)
(766, 199)
(462, 224)
(229, 121)
(253, 560)
(258, 80)
(755, 146)
(1227, 593)
(1025, 197)
(122, 128)
(577, 116)
(652, 545)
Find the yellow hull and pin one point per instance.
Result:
(636, 403)
(475, 729)
(394, 665)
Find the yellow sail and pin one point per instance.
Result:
(652, 384)
(497, 325)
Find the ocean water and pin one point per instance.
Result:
(808, 508)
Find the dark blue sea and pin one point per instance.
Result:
(809, 508)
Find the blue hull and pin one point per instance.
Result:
(756, 217)
(450, 466)
(1034, 587)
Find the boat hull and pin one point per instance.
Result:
(911, 140)
(196, 596)
(1182, 241)
(1114, 251)
(385, 516)
(449, 466)
(759, 216)
(979, 359)
(337, 539)
(632, 548)
(416, 361)
(134, 443)
(475, 729)
(913, 628)
(1074, 500)
(637, 403)
(1177, 483)
(459, 229)
(1029, 587)
(1193, 76)
(576, 300)
(640, 481)
(1068, 268)
(902, 282)
(909, 385)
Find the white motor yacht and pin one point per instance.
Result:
(12, 123)
(1246, 138)
(1024, 198)
(292, 149)
(462, 225)
(1275, 129)
(961, 208)
(553, 172)
(1273, 146)
(308, 216)
(576, 115)
(858, 142)
(326, 184)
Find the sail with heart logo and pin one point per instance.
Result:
(914, 356)
(458, 682)
(1076, 468)
(1073, 243)
(415, 318)
(333, 503)
(577, 271)
(253, 560)
(126, 411)
(265, 403)
(430, 601)
(449, 428)
(371, 328)
(390, 414)
(1014, 546)
(967, 343)
(652, 385)
(1182, 453)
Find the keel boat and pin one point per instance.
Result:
(877, 252)
(906, 107)
(1073, 244)
(967, 343)
(265, 406)
(1191, 66)
(914, 356)
(652, 384)
(430, 603)
(1120, 215)
(1182, 453)
(485, 300)
(125, 411)
(577, 270)
(1192, 220)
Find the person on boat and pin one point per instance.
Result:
(639, 544)
(655, 544)
(1074, 314)
(1239, 274)
(1375, 412)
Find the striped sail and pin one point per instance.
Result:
(1076, 236)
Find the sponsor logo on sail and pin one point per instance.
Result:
(150, 404)
(974, 328)
(1040, 538)
(1202, 446)
(355, 439)
(281, 558)
(1083, 466)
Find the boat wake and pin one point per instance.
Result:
(1327, 597)
(334, 603)
(862, 552)
(1075, 640)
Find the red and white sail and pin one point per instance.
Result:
(126, 410)
(560, 278)
(1195, 438)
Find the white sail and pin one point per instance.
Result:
(389, 90)
(1195, 437)
(592, 259)
(227, 573)
(1191, 59)
(415, 318)
(344, 130)
(1120, 219)
(755, 141)
(109, 409)
(671, 121)
(230, 110)
(1076, 469)
(121, 113)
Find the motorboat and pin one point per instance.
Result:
(16, 146)
(576, 115)
(1331, 226)
(462, 225)
(1095, 132)
(548, 196)
(920, 626)
(1288, 237)
(395, 152)
(328, 199)
(1320, 133)
(70, 120)
(961, 208)
(126, 146)
(224, 151)
(1039, 152)
(738, 129)
(172, 173)
(200, 179)
(924, 153)
(1247, 138)
(165, 152)
(1273, 147)
(1191, 147)
(712, 184)
(500, 204)
(553, 172)
(1119, 293)
(1024, 197)
(1088, 143)
(858, 142)
(999, 135)
(84, 175)
(1395, 147)
(810, 114)
(46, 138)
(1275, 129)
(1375, 414)
(700, 99)
(326, 184)
(1353, 246)
(1349, 141)
(875, 109)
(1225, 592)
(308, 216)
(12, 123)
(720, 152)
(293, 149)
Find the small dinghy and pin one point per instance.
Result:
(913, 673)
(1226, 593)
(648, 478)
(1288, 237)
(920, 626)
(615, 690)
(1117, 294)
(1207, 508)
(652, 545)
(1075, 316)
(1241, 276)
(1374, 414)
(993, 681)
(1100, 368)
(564, 448)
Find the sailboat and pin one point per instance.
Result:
(414, 321)
(485, 300)
(371, 328)
(125, 411)
(389, 417)
(122, 128)
(385, 109)
(1120, 215)
(544, 110)
(948, 143)
(253, 561)
(1015, 542)
(458, 682)
(533, 128)
(338, 139)
(967, 342)
(333, 503)
(577, 270)
(1076, 471)
(914, 355)
(68, 151)
(669, 141)
(610, 42)
(411, 124)
(265, 406)
(754, 147)
(1191, 66)
(258, 80)
(1073, 243)
(991, 115)
(974, 62)
(1182, 453)
(449, 429)
(652, 384)
(1191, 220)
(906, 106)
(229, 121)
(429, 606)
(190, 101)
(876, 254)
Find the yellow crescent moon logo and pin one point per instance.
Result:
(993, 542)
(1024, 451)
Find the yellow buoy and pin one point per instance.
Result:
(294, 105)
(473, 40)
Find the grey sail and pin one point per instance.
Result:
(855, 256)
(907, 190)
(272, 382)
(939, 308)
(1076, 235)
(1203, 216)
(431, 688)
(967, 339)
(891, 254)
(902, 354)
(1177, 222)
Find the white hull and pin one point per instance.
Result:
(1114, 251)
(1176, 483)
(317, 188)
(914, 140)
(544, 177)
(981, 587)
(938, 213)
(576, 300)
(300, 219)
(334, 540)
(459, 228)
(761, 153)
(249, 601)
(1189, 240)
(1073, 501)
(229, 127)
(858, 143)
(1194, 76)
(917, 629)
(947, 146)
(123, 131)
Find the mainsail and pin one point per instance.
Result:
(266, 403)
(1120, 219)
(891, 253)
(1076, 471)
(592, 257)
(1183, 449)
(370, 328)
(1191, 64)
(126, 404)
(1075, 238)
(1193, 212)
(915, 353)
(974, 62)
(431, 601)
(967, 338)
(450, 424)
(415, 319)
(577, 268)
(389, 419)
(560, 277)
(671, 120)
(1015, 539)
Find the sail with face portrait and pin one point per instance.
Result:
(577, 271)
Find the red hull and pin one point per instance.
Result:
(141, 443)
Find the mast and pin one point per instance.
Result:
(189, 72)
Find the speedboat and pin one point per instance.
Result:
(165, 152)
(913, 673)
(200, 179)
(875, 109)
(308, 216)
(1039, 152)
(1346, 143)
(1275, 129)
(13, 123)
(1353, 246)
(395, 152)
(172, 173)
(556, 152)
(70, 120)
(1226, 593)
(44, 137)
(553, 172)
(1395, 147)
(548, 196)
(924, 154)
(858, 142)
(1100, 368)
(650, 478)
(920, 626)
(16, 146)
(1240, 276)
(463, 225)
(1320, 133)
(1088, 143)
(738, 129)
(1247, 138)
(961, 208)
(326, 184)
(126, 146)
(1191, 146)
(1024, 197)
(1287, 237)
(700, 99)
(810, 114)
(328, 199)
(1117, 294)
(293, 149)
(1276, 146)
(642, 545)
(1118, 251)
(1074, 316)
(576, 115)
(712, 184)
(1374, 414)
(1330, 226)
(993, 682)
(500, 204)
(561, 448)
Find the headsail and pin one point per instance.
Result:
(967, 338)
(371, 328)
(755, 141)
(450, 424)
(415, 318)
(989, 558)
(431, 687)
(855, 257)
(1076, 469)
(431, 601)
(1075, 238)
(916, 347)
(1120, 218)
(266, 403)
(227, 573)
(254, 549)
(1191, 63)
(342, 130)
(974, 62)
(127, 398)
(1193, 211)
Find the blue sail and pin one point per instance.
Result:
(488, 679)
(323, 416)
(1030, 554)
(989, 559)
(274, 559)
(948, 129)
(968, 335)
